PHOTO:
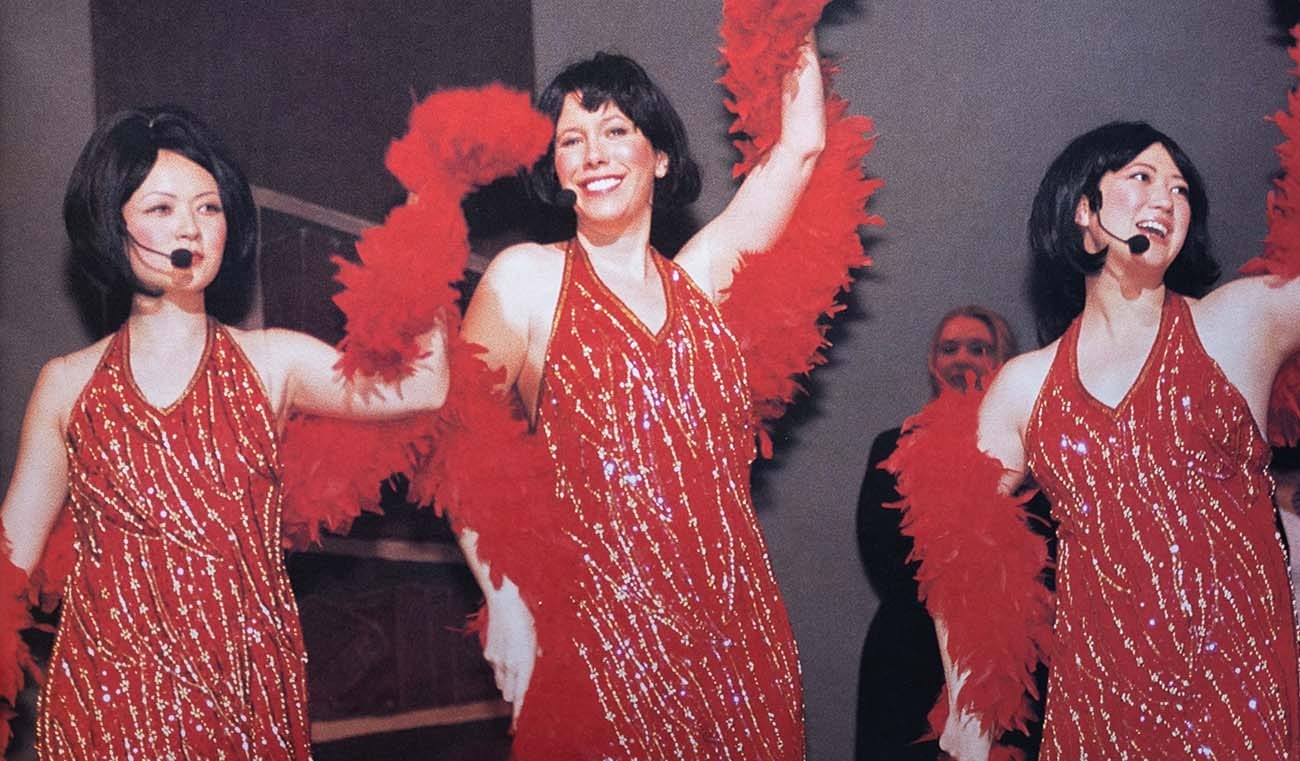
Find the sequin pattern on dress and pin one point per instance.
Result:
(179, 636)
(674, 619)
(1175, 636)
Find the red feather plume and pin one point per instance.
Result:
(981, 565)
(780, 300)
(15, 658)
(457, 139)
(402, 285)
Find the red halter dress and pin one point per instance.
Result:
(1174, 630)
(179, 636)
(670, 639)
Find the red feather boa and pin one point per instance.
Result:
(458, 139)
(777, 301)
(1282, 256)
(402, 285)
(15, 658)
(981, 565)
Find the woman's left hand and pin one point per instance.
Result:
(511, 646)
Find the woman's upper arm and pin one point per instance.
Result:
(759, 211)
(39, 485)
(1283, 301)
(305, 368)
(1003, 415)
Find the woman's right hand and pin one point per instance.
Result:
(511, 646)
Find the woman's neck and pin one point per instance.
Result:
(1120, 305)
(166, 319)
(626, 249)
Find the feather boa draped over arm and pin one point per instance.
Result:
(777, 301)
(1282, 256)
(981, 565)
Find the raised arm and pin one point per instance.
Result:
(39, 485)
(762, 206)
(1249, 327)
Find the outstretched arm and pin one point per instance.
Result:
(302, 375)
(763, 204)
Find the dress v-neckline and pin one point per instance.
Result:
(1157, 347)
(661, 269)
(139, 394)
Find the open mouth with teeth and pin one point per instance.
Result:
(601, 185)
(1152, 227)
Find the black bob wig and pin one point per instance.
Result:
(115, 161)
(609, 77)
(1059, 261)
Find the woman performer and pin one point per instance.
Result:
(179, 634)
(1174, 632)
(669, 639)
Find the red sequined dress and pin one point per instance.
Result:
(179, 636)
(1174, 630)
(671, 639)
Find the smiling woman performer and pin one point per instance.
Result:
(670, 639)
(1174, 633)
(179, 634)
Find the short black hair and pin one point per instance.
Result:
(1059, 262)
(117, 158)
(612, 77)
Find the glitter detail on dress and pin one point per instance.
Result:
(179, 637)
(674, 619)
(1174, 634)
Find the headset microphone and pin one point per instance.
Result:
(181, 258)
(1137, 245)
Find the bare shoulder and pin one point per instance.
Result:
(1024, 374)
(526, 261)
(1246, 303)
(261, 342)
(274, 351)
(696, 258)
(62, 379)
(521, 284)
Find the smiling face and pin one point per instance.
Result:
(178, 205)
(605, 159)
(1147, 196)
